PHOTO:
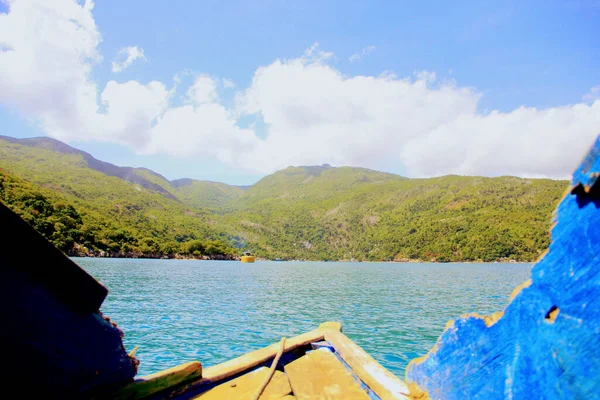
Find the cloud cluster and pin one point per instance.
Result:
(126, 56)
(48, 52)
(308, 111)
(201, 127)
(361, 54)
(593, 94)
(430, 127)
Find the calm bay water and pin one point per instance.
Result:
(182, 310)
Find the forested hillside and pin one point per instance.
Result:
(85, 206)
(114, 216)
(346, 213)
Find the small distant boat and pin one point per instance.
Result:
(247, 258)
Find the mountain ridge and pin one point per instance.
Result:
(126, 173)
(311, 169)
(309, 212)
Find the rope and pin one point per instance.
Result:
(271, 372)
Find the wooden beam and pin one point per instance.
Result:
(321, 375)
(257, 357)
(155, 383)
(246, 362)
(223, 371)
(326, 326)
(381, 381)
(245, 386)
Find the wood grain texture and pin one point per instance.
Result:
(331, 325)
(155, 383)
(257, 357)
(385, 384)
(217, 374)
(319, 375)
(244, 387)
(546, 343)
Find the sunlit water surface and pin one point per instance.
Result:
(182, 310)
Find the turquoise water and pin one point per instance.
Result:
(182, 310)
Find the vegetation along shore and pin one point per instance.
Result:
(87, 207)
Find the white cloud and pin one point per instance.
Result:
(203, 130)
(202, 127)
(46, 75)
(593, 94)
(203, 90)
(310, 112)
(361, 54)
(315, 114)
(228, 83)
(131, 111)
(126, 56)
(523, 142)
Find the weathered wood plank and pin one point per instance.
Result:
(245, 386)
(155, 383)
(381, 381)
(545, 345)
(217, 373)
(320, 375)
(257, 357)
(331, 325)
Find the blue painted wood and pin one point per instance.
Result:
(547, 343)
(322, 344)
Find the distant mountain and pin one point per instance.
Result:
(120, 210)
(356, 213)
(201, 194)
(128, 174)
(311, 212)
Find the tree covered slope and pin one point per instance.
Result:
(121, 216)
(345, 213)
(316, 212)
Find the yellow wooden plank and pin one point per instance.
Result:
(381, 381)
(320, 375)
(245, 386)
(326, 326)
(151, 384)
(257, 357)
(246, 362)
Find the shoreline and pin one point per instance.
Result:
(237, 259)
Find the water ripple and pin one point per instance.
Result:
(179, 310)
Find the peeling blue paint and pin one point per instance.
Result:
(547, 343)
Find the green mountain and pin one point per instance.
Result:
(345, 213)
(205, 194)
(122, 211)
(315, 212)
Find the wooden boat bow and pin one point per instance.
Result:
(354, 364)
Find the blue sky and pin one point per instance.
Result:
(486, 56)
(538, 53)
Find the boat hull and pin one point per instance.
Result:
(298, 373)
